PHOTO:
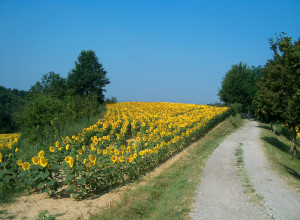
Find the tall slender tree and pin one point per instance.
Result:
(88, 77)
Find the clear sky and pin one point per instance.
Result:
(153, 50)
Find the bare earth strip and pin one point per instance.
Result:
(220, 194)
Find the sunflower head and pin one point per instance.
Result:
(35, 160)
(20, 162)
(25, 166)
(41, 153)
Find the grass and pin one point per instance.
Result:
(170, 195)
(253, 197)
(276, 148)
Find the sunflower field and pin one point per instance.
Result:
(131, 138)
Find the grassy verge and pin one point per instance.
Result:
(249, 190)
(276, 148)
(170, 195)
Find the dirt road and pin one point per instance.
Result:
(220, 194)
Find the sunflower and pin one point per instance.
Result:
(92, 158)
(0, 157)
(57, 144)
(121, 159)
(128, 149)
(51, 149)
(35, 160)
(20, 162)
(43, 161)
(71, 162)
(67, 159)
(80, 151)
(98, 151)
(25, 166)
(67, 147)
(16, 150)
(95, 141)
(41, 153)
(91, 164)
(114, 158)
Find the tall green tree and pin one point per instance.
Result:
(279, 88)
(88, 77)
(239, 85)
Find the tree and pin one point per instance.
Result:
(279, 88)
(111, 100)
(88, 77)
(51, 84)
(239, 85)
(10, 102)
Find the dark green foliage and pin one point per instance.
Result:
(278, 98)
(10, 102)
(45, 117)
(55, 102)
(239, 85)
(88, 77)
(51, 84)
(111, 100)
(235, 109)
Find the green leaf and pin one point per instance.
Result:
(40, 185)
(38, 177)
(51, 182)
(81, 181)
(45, 175)
(70, 188)
(20, 175)
(69, 176)
(47, 190)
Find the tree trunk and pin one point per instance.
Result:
(271, 125)
(293, 144)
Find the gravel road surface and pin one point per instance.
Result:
(220, 194)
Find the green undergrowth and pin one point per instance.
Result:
(276, 148)
(170, 195)
(8, 193)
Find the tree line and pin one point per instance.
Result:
(271, 93)
(55, 101)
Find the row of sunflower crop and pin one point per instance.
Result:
(7, 140)
(131, 138)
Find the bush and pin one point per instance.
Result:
(235, 109)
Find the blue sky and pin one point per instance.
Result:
(164, 50)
